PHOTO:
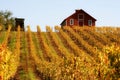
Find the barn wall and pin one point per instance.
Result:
(75, 17)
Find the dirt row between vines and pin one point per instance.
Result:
(27, 69)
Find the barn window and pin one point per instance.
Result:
(80, 16)
(89, 22)
(71, 21)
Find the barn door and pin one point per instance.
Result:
(81, 19)
(81, 23)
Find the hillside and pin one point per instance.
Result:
(67, 54)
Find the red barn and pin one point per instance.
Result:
(79, 18)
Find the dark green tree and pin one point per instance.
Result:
(6, 19)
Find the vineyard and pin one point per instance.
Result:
(79, 53)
